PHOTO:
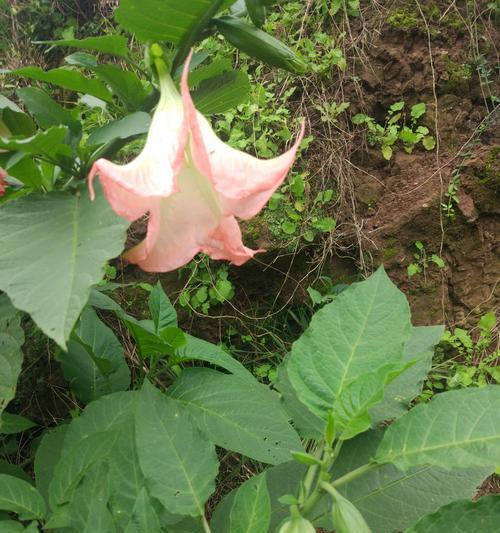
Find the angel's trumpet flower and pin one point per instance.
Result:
(190, 183)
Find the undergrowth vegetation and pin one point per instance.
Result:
(310, 389)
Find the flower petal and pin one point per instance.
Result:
(244, 182)
(129, 188)
(186, 223)
(3, 175)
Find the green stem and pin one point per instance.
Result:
(206, 527)
(354, 474)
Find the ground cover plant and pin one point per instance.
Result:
(359, 420)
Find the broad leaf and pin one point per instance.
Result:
(179, 463)
(364, 328)
(222, 92)
(161, 309)
(18, 496)
(162, 20)
(115, 45)
(251, 509)
(47, 111)
(408, 385)
(47, 456)
(456, 429)
(237, 415)
(81, 236)
(125, 128)
(463, 516)
(125, 84)
(11, 424)
(199, 350)
(66, 78)
(45, 143)
(11, 356)
(94, 364)
(144, 518)
(26, 170)
(14, 119)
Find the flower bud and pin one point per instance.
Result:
(346, 518)
(297, 524)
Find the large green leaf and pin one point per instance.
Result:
(236, 414)
(144, 518)
(463, 516)
(162, 20)
(115, 45)
(179, 463)
(18, 496)
(251, 509)
(456, 429)
(13, 118)
(125, 84)
(54, 247)
(45, 143)
(66, 78)
(94, 364)
(199, 350)
(364, 328)
(222, 92)
(47, 111)
(11, 356)
(135, 124)
(408, 385)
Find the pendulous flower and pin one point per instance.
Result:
(190, 183)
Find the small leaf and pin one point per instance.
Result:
(161, 309)
(18, 496)
(346, 518)
(108, 44)
(437, 260)
(429, 142)
(289, 227)
(251, 509)
(11, 424)
(126, 128)
(418, 110)
(387, 152)
(306, 458)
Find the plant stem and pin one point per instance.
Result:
(206, 527)
(354, 474)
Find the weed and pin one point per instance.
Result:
(423, 260)
(397, 128)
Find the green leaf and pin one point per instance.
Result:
(130, 126)
(13, 118)
(81, 59)
(464, 516)
(161, 309)
(81, 236)
(251, 509)
(351, 407)
(360, 118)
(363, 329)
(18, 496)
(387, 152)
(26, 171)
(66, 78)
(11, 356)
(391, 500)
(408, 385)
(94, 364)
(144, 518)
(47, 143)
(179, 464)
(456, 429)
(418, 110)
(289, 227)
(125, 84)
(222, 92)
(237, 415)
(47, 456)
(46, 111)
(199, 350)
(161, 20)
(429, 142)
(74, 463)
(11, 424)
(346, 517)
(115, 45)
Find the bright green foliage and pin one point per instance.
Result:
(457, 429)
(71, 239)
(237, 415)
(130, 126)
(251, 509)
(423, 260)
(323, 363)
(462, 516)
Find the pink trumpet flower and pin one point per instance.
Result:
(191, 183)
(3, 175)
